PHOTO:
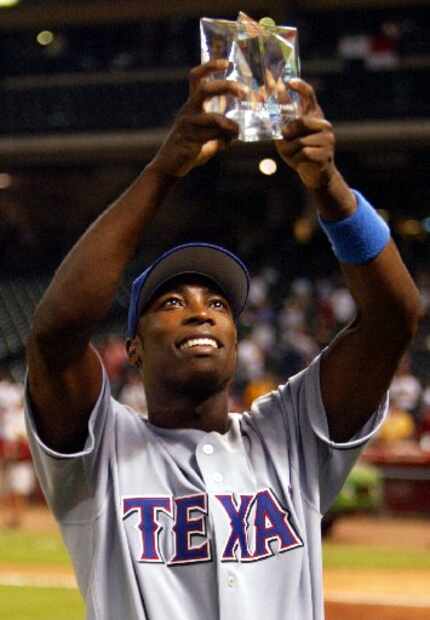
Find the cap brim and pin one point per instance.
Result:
(219, 265)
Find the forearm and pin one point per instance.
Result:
(359, 364)
(387, 298)
(334, 200)
(82, 291)
(381, 285)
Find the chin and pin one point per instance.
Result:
(203, 382)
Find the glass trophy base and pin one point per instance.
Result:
(256, 125)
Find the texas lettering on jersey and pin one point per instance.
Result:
(253, 521)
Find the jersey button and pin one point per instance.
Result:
(217, 477)
(208, 448)
(231, 581)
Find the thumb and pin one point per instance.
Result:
(308, 99)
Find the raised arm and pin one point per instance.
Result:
(64, 371)
(357, 367)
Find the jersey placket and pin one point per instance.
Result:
(225, 471)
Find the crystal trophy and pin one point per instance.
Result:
(263, 57)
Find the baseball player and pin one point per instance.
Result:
(198, 513)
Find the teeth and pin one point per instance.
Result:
(199, 342)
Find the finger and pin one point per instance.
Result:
(202, 71)
(210, 149)
(214, 146)
(208, 134)
(206, 90)
(270, 81)
(312, 155)
(305, 90)
(305, 125)
(199, 131)
(320, 139)
(203, 127)
(203, 136)
(308, 100)
(214, 120)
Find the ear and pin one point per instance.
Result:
(133, 352)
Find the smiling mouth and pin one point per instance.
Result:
(205, 341)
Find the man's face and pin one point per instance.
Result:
(187, 337)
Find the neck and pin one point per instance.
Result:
(206, 413)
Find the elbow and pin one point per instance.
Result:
(49, 327)
(415, 313)
(53, 318)
(44, 324)
(42, 339)
(408, 318)
(53, 339)
(396, 323)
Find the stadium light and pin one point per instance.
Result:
(8, 4)
(410, 228)
(5, 180)
(267, 166)
(46, 37)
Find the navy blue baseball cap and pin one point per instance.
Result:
(221, 266)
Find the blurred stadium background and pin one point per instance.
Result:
(87, 89)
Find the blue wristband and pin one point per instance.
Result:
(360, 237)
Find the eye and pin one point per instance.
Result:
(172, 302)
(219, 303)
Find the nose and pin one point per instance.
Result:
(199, 319)
(198, 314)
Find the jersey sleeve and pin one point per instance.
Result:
(323, 464)
(291, 425)
(75, 485)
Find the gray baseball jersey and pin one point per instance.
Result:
(186, 524)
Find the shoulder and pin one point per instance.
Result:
(294, 393)
(127, 417)
(283, 410)
(132, 431)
